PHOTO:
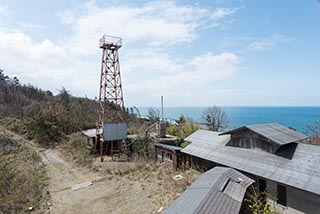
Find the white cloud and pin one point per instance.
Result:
(158, 23)
(45, 64)
(193, 76)
(151, 61)
(148, 66)
(4, 14)
(21, 44)
(4, 11)
(66, 17)
(31, 26)
(216, 67)
(269, 42)
(220, 12)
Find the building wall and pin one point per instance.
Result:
(166, 156)
(298, 201)
(251, 140)
(304, 201)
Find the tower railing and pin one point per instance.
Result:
(111, 42)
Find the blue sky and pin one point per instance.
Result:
(194, 53)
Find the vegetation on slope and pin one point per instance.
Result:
(22, 177)
(78, 149)
(39, 115)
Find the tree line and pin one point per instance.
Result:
(40, 115)
(14, 96)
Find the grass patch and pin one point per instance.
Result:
(79, 150)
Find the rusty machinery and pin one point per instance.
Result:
(110, 85)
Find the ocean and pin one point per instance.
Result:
(297, 117)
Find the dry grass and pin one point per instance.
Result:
(156, 180)
(139, 185)
(22, 178)
(78, 150)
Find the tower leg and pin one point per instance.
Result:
(101, 150)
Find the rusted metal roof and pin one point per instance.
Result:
(302, 171)
(275, 132)
(219, 190)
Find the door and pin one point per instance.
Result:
(282, 195)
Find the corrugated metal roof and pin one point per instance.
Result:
(302, 171)
(170, 147)
(273, 131)
(216, 191)
(113, 131)
(208, 136)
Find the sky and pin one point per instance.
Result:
(194, 53)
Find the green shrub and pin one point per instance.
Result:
(184, 144)
(142, 147)
(257, 203)
(185, 128)
(79, 149)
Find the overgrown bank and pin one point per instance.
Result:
(22, 178)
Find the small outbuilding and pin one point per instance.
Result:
(114, 134)
(219, 190)
(90, 135)
(171, 155)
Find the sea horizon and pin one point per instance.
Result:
(297, 117)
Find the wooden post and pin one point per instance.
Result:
(174, 159)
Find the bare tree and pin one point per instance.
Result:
(314, 133)
(153, 115)
(215, 118)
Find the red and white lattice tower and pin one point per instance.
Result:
(110, 83)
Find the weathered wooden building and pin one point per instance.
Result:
(171, 155)
(219, 190)
(274, 155)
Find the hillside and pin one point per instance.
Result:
(46, 122)
(39, 115)
(24, 181)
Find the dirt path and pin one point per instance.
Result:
(63, 177)
(102, 193)
(106, 194)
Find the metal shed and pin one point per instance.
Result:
(114, 131)
(219, 190)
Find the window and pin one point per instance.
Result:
(159, 155)
(282, 195)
